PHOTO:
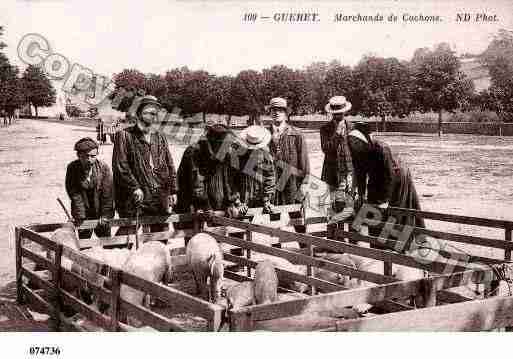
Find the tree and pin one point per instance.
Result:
(129, 84)
(218, 99)
(439, 85)
(2, 44)
(155, 85)
(195, 92)
(175, 83)
(382, 87)
(39, 91)
(11, 87)
(247, 94)
(340, 81)
(498, 58)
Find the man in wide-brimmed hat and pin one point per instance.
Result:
(337, 166)
(143, 168)
(256, 174)
(89, 187)
(337, 169)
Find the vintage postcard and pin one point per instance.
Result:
(276, 166)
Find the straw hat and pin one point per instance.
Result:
(256, 136)
(278, 102)
(338, 104)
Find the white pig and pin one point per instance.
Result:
(205, 258)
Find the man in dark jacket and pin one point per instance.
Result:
(144, 173)
(382, 178)
(290, 155)
(337, 167)
(256, 177)
(89, 186)
(205, 176)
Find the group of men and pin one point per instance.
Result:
(260, 167)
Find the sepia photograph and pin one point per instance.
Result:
(255, 166)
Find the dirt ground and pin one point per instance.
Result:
(458, 174)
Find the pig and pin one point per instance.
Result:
(266, 283)
(344, 280)
(112, 257)
(151, 262)
(67, 236)
(241, 295)
(284, 264)
(205, 258)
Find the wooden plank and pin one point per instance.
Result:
(56, 294)
(36, 302)
(507, 238)
(37, 280)
(185, 217)
(19, 265)
(392, 306)
(236, 277)
(38, 238)
(322, 302)
(44, 227)
(114, 301)
(316, 220)
(396, 258)
(147, 317)
(389, 256)
(176, 298)
(86, 310)
(71, 277)
(304, 259)
(477, 315)
(37, 258)
(319, 234)
(117, 222)
(287, 276)
(392, 244)
(475, 221)
(449, 297)
(462, 238)
(84, 261)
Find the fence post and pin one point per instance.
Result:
(507, 256)
(19, 263)
(57, 272)
(507, 238)
(309, 246)
(249, 238)
(114, 276)
(428, 293)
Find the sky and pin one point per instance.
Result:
(158, 35)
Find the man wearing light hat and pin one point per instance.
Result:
(257, 176)
(143, 168)
(290, 154)
(89, 187)
(337, 169)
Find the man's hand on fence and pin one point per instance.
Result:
(138, 196)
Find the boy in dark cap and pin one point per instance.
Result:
(89, 187)
(144, 173)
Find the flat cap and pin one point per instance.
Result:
(85, 144)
